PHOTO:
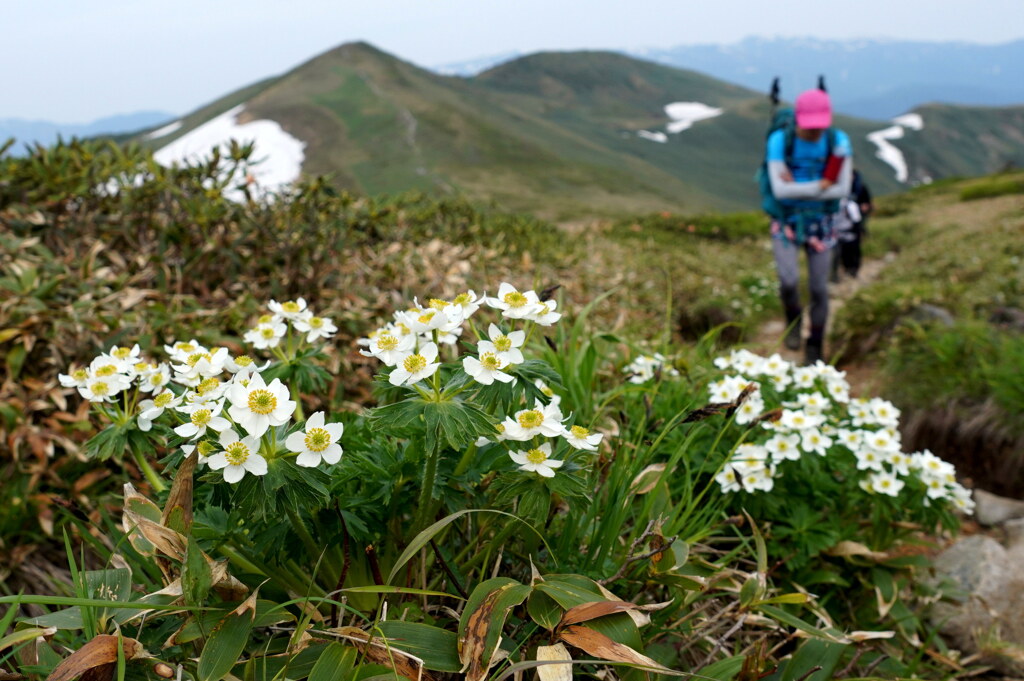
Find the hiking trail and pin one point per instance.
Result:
(861, 375)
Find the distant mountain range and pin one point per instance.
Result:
(46, 132)
(868, 78)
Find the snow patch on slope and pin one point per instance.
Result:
(653, 136)
(276, 159)
(889, 152)
(164, 131)
(685, 114)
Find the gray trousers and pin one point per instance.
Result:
(787, 264)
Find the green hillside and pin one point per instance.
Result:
(556, 134)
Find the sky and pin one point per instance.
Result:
(71, 61)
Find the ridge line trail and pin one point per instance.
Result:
(767, 338)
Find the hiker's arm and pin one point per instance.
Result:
(842, 186)
(789, 189)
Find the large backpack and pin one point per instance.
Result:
(784, 118)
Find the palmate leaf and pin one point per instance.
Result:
(285, 485)
(450, 423)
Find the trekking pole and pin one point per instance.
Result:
(821, 84)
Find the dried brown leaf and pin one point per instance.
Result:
(600, 646)
(98, 656)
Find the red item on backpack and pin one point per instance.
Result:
(832, 167)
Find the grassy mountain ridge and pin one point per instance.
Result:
(557, 133)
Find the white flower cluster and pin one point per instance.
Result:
(645, 367)
(220, 405)
(819, 418)
(270, 329)
(409, 343)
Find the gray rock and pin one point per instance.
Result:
(991, 509)
(926, 313)
(984, 612)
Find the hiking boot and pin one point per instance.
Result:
(812, 353)
(792, 340)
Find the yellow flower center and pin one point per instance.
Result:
(500, 428)
(184, 347)
(267, 332)
(201, 417)
(531, 418)
(236, 453)
(207, 386)
(316, 322)
(265, 319)
(438, 304)
(387, 342)
(291, 307)
(414, 363)
(536, 456)
(262, 402)
(426, 317)
(461, 299)
(163, 399)
(121, 353)
(503, 343)
(157, 379)
(885, 483)
(106, 370)
(79, 374)
(515, 299)
(404, 329)
(579, 432)
(490, 361)
(100, 389)
(141, 366)
(194, 358)
(243, 360)
(205, 448)
(317, 439)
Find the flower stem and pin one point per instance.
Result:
(151, 475)
(304, 535)
(467, 458)
(426, 502)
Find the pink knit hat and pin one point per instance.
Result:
(813, 110)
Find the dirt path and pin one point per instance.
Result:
(862, 376)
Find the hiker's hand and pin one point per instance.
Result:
(788, 231)
(786, 175)
(865, 208)
(817, 244)
(826, 183)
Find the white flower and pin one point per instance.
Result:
(150, 410)
(547, 392)
(239, 456)
(468, 302)
(962, 498)
(416, 366)
(244, 365)
(931, 466)
(580, 438)
(750, 457)
(751, 408)
(775, 366)
(76, 379)
(815, 442)
(389, 348)
(513, 303)
(257, 406)
(103, 388)
(799, 420)
(868, 459)
(209, 390)
(860, 413)
(200, 365)
(881, 440)
(153, 380)
(180, 351)
(315, 327)
(507, 345)
(124, 356)
(528, 423)
(644, 367)
(498, 437)
(201, 417)
(761, 479)
(885, 483)
(851, 439)
(728, 480)
(426, 321)
(545, 315)
(728, 388)
(784, 447)
(537, 460)
(812, 403)
(488, 368)
(202, 449)
(319, 442)
(266, 335)
(291, 309)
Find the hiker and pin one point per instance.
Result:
(850, 239)
(809, 167)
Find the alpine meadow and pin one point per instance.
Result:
(363, 372)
